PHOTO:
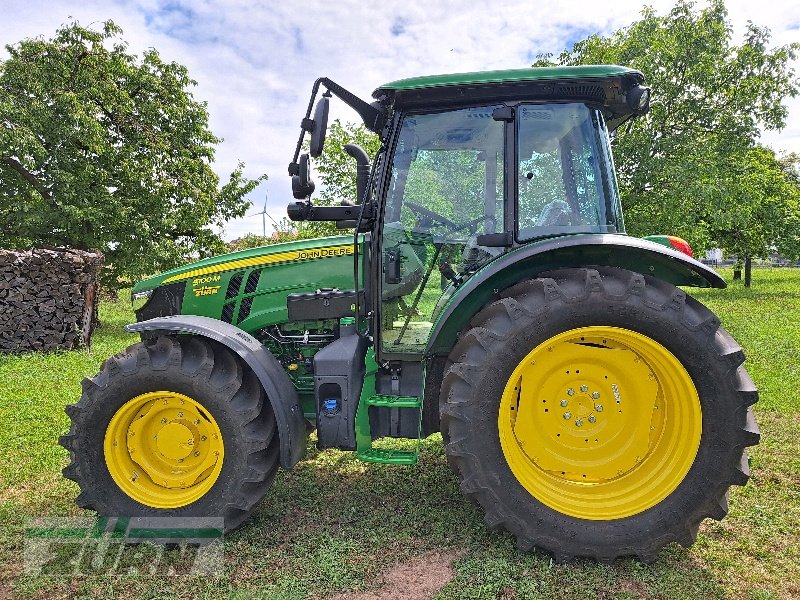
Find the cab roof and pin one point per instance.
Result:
(532, 74)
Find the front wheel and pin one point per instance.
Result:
(173, 426)
(598, 413)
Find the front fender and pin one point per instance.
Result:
(281, 393)
(574, 251)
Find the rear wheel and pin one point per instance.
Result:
(175, 426)
(598, 413)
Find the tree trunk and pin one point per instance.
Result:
(748, 271)
(737, 270)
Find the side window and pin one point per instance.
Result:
(447, 189)
(560, 187)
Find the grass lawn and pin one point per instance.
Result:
(335, 526)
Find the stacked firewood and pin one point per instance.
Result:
(48, 299)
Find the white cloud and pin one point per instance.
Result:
(255, 61)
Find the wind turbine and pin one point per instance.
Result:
(264, 214)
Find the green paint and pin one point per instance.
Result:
(363, 436)
(251, 253)
(470, 300)
(510, 76)
(368, 398)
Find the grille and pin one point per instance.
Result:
(252, 282)
(593, 92)
(244, 309)
(233, 287)
(227, 312)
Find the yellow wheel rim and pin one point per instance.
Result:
(600, 423)
(163, 449)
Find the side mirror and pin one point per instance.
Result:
(320, 126)
(302, 183)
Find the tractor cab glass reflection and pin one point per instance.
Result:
(446, 190)
(565, 179)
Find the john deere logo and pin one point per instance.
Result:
(325, 252)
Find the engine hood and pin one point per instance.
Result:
(300, 250)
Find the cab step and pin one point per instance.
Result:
(394, 401)
(389, 457)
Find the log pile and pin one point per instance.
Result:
(48, 299)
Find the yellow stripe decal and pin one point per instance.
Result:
(255, 261)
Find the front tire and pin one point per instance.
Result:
(173, 426)
(598, 413)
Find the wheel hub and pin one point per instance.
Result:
(175, 441)
(581, 441)
(163, 449)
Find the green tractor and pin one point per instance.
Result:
(484, 288)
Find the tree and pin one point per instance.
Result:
(761, 214)
(100, 149)
(710, 99)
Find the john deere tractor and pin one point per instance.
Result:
(483, 288)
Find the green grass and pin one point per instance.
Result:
(334, 524)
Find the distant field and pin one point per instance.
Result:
(337, 526)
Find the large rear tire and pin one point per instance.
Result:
(598, 413)
(173, 426)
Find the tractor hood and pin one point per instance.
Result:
(300, 250)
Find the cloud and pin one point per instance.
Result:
(255, 60)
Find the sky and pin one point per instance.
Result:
(255, 60)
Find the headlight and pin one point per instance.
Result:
(139, 299)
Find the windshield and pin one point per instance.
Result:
(447, 189)
(565, 179)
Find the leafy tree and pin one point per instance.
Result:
(101, 149)
(761, 214)
(710, 99)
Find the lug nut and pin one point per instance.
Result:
(180, 413)
(595, 395)
(584, 388)
(578, 423)
(592, 419)
(197, 453)
(570, 392)
(598, 407)
(203, 438)
(163, 421)
(564, 403)
(567, 416)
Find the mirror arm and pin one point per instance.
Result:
(373, 118)
(305, 211)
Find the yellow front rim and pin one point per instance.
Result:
(600, 423)
(163, 449)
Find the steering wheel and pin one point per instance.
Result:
(424, 212)
(442, 220)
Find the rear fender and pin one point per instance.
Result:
(596, 250)
(276, 383)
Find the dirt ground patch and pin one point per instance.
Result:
(416, 579)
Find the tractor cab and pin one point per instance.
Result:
(471, 167)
